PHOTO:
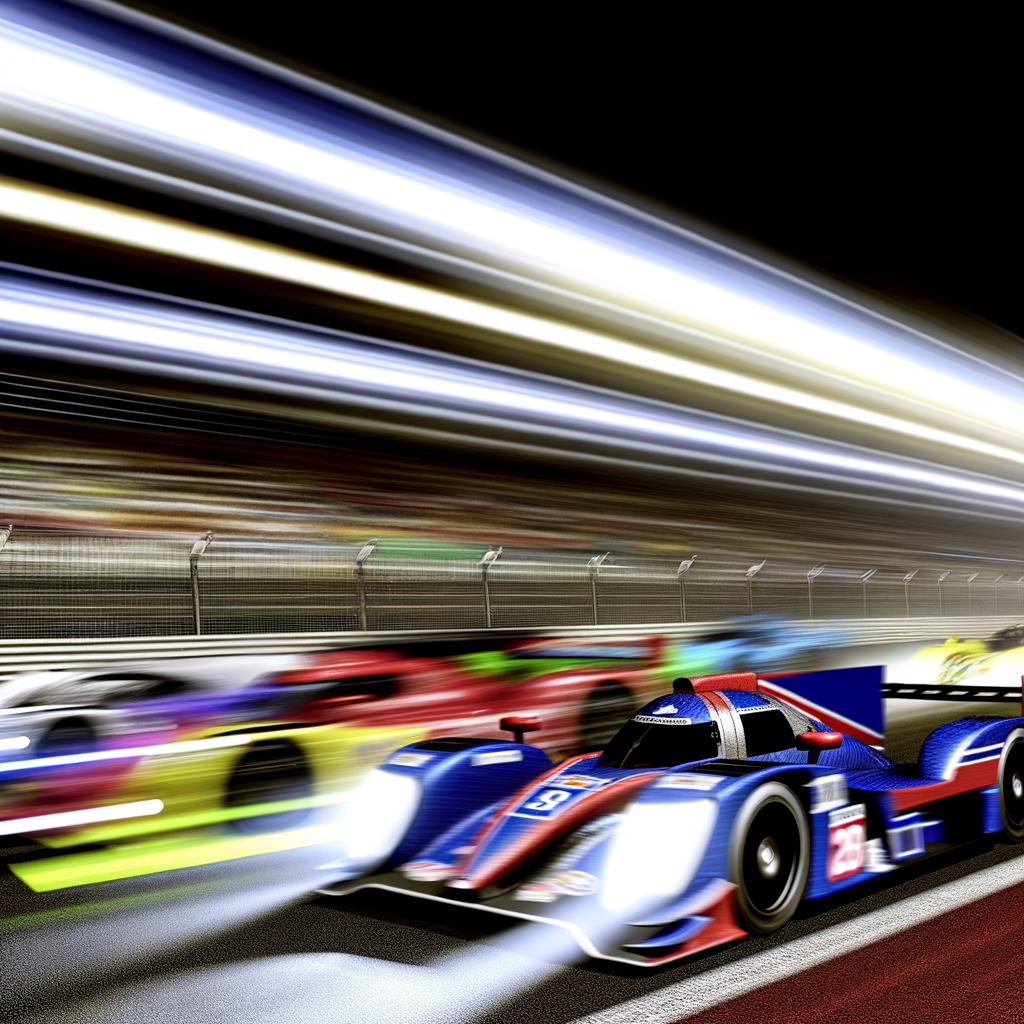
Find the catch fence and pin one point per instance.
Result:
(66, 585)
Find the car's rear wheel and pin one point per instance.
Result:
(1011, 785)
(71, 736)
(769, 857)
(269, 771)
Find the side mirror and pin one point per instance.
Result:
(517, 726)
(815, 742)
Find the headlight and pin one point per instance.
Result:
(376, 819)
(655, 853)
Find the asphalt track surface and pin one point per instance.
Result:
(245, 942)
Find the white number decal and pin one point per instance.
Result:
(845, 843)
(548, 800)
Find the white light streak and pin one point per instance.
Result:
(185, 747)
(86, 816)
(55, 87)
(76, 321)
(14, 742)
(63, 212)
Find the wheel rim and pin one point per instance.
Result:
(1012, 785)
(770, 855)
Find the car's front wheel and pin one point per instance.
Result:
(1011, 785)
(769, 857)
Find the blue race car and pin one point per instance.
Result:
(753, 643)
(712, 813)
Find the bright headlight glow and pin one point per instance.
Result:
(377, 818)
(14, 742)
(655, 853)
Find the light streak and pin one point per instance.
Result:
(14, 742)
(185, 747)
(74, 322)
(86, 816)
(199, 127)
(57, 211)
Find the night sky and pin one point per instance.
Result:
(884, 152)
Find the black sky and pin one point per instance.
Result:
(885, 153)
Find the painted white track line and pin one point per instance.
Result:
(686, 998)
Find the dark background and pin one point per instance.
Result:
(881, 150)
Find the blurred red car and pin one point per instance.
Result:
(578, 690)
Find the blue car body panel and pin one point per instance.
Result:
(544, 849)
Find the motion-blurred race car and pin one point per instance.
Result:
(101, 756)
(713, 812)
(94, 756)
(98, 756)
(578, 689)
(997, 660)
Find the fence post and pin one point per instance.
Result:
(485, 564)
(864, 588)
(751, 573)
(970, 593)
(683, 566)
(593, 566)
(906, 588)
(1020, 607)
(364, 554)
(812, 575)
(995, 589)
(942, 576)
(198, 549)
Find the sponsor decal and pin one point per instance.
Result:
(537, 892)
(410, 759)
(568, 883)
(670, 709)
(581, 782)
(686, 781)
(654, 720)
(846, 835)
(497, 757)
(828, 792)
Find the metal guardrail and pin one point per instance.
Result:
(34, 655)
(69, 585)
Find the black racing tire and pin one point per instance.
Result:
(769, 857)
(1011, 785)
(607, 707)
(268, 771)
(68, 736)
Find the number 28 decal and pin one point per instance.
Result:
(846, 835)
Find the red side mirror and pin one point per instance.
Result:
(816, 742)
(517, 726)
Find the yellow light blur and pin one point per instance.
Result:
(85, 216)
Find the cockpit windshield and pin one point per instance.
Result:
(660, 744)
